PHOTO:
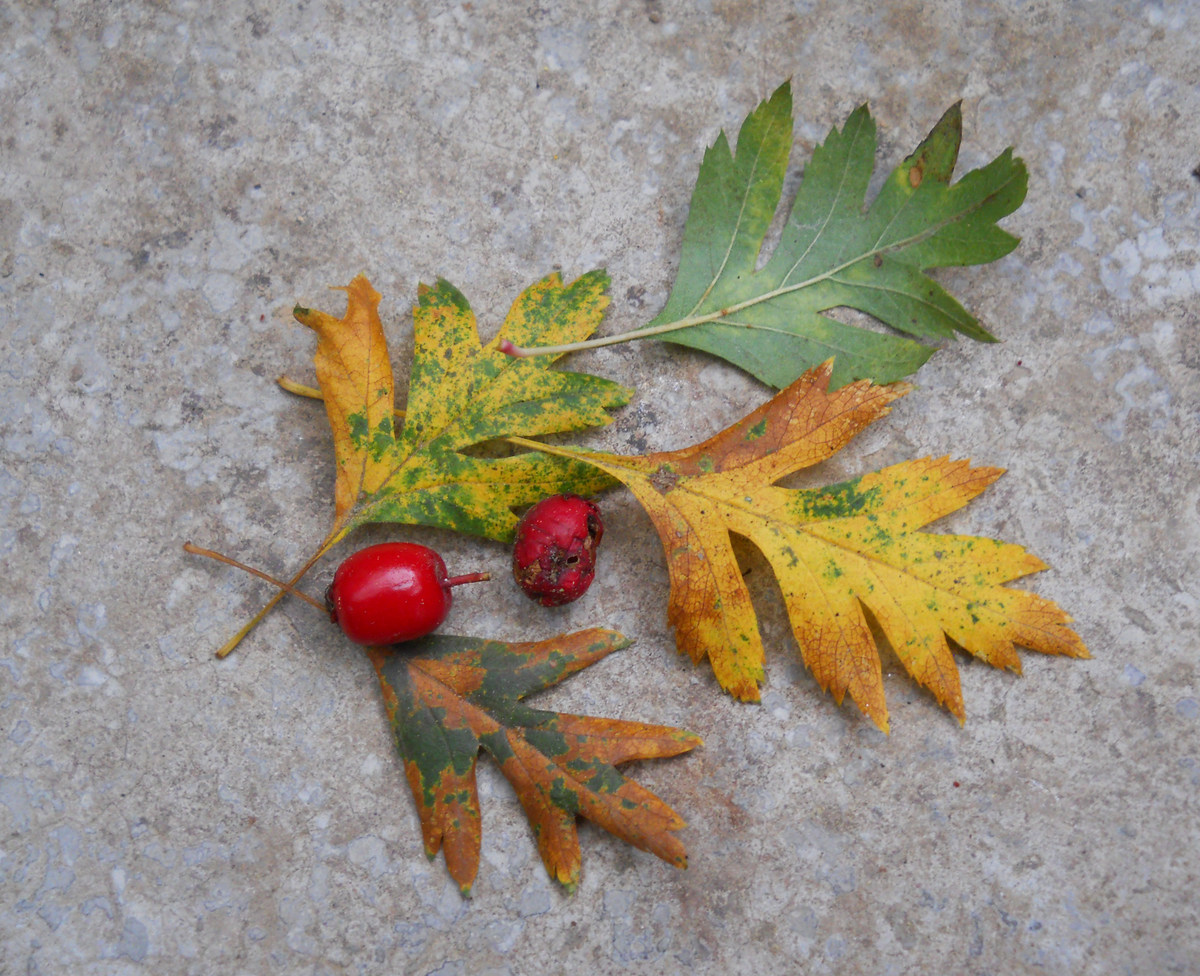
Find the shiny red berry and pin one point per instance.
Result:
(554, 558)
(392, 592)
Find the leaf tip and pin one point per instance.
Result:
(745, 690)
(879, 717)
(306, 316)
(784, 93)
(362, 285)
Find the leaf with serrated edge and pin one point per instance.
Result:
(837, 551)
(448, 697)
(462, 394)
(834, 250)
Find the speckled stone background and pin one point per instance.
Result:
(176, 175)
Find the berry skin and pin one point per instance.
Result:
(392, 592)
(554, 558)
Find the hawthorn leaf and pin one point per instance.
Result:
(839, 553)
(449, 697)
(835, 251)
(462, 394)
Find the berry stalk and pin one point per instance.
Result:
(468, 578)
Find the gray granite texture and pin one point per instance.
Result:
(177, 174)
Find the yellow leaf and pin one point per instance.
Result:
(840, 553)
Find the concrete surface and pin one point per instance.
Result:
(177, 174)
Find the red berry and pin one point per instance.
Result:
(554, 559)
(392, 592)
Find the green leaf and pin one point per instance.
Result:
(449, 697)
(834, 251)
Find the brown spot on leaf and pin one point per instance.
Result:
(664, 479)
(916, 174)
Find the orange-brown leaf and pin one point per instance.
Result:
(448, 697)
(356, 383)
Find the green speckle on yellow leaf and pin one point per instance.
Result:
(835, 501)
(359, 428)
(835, 550)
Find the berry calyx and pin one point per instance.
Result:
(392, 592)
(554, 558)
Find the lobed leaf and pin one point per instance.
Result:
(462, 394)
(449, 697)
(838, 552)
(834, 251)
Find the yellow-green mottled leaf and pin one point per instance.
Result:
(461, 395)
(447, 465)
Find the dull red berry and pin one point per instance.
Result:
(392, 592)
(554, 558)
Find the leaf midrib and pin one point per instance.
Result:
(786, 289)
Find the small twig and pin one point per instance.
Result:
(286, 587)
(468, 578)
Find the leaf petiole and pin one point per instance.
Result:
(299, 388)
(311, 392)
(650, 331)
(521, 352)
